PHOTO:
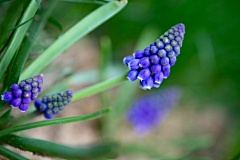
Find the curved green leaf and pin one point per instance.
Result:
(17, 37)
(86, 1)
(79, 30)
(54, 121)
(47, 148)
(10, 154)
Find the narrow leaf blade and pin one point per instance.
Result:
(10, 154)
(54, 121)
(47, 148)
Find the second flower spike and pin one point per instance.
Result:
(23, 93)
(153, 63)
(53, 104)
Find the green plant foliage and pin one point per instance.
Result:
(10, 154)
(79, 30)
(17, 37)
(54, 121)
(46, 148)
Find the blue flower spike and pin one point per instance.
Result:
(53, 104)
(149, 111)
(23, 93)
(157, 58)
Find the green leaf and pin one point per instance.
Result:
(8, 19)
(54, 121)
(56, 23)
(39, 6)
(79, 30)
(10, 154)
(86, 1)
(47, 148)
(17, 37)
(99, 87)
(236, 157)
(21, 24)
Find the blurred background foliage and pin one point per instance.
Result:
(208, 67)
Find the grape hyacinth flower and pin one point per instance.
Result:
(23, 93)
(148, 111)
(53, 104)
(153, 63)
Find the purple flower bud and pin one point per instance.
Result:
(27, 87)
(40, 84)
(159, 44)
(152, 44)
(127, 59)
(164, 61)
(154, 59)
(171, 37)
(143, 84)
(134, 64)
(177, 50)
(23, 107)
(40, 89)
(27, 100)
(148, 83)
(42, 107)
(144, 62)
(147, 51)
(7, 96)
(166, 40)
(132, 75)
(18, 93)
(34, 96)
(171, 54)
(69, 92)
(162, 53)
(153, 49)
(178, 39)
(174, 43)
(37, 103)
(27, 94)
(48, 116)
(138, 54)
(144, 74)
(172, 60)
(166, 74)
(155, 68)
(56, 110)
(34, 84)
(14, 86)
(15, 102)
(29, 81)
(166, 68)
(168, 47)
(156, 85)
(35, 90)
(22, 84)
(158, 78)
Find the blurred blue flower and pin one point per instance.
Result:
(148, 111)
(153, 63)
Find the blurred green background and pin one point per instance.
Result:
(208, 67)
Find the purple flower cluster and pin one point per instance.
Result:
(148, 111)
(53, 104)
(22, 93)
(153, 63)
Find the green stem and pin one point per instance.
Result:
(4, 109)
(47, 148)
(54, 121)
(10, 154)
(99, 87)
